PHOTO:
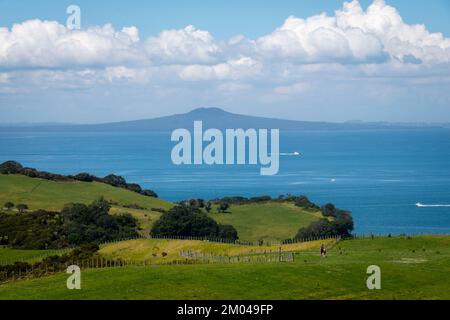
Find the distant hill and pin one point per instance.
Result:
(214, 118)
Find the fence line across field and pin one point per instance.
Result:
(53, 252)
(39, 269)
(250, 258)
(189, 257)
(216, 240)
(228, 241)
(45, 269)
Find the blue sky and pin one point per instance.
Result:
(244, 56)
(224, 19)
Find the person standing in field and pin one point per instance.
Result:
(323, 251)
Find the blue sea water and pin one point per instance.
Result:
(378, 175)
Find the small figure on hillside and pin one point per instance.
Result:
(323, 251)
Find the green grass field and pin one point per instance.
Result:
(151, 250)
(267, 221)
(8, 255)
(411, 268)
(51, 195)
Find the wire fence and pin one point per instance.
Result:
(59, 252)
(21, 270)
(26, 271)
(229, 241)
(250, 258)
(395, 235)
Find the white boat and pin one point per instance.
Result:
(419, 205)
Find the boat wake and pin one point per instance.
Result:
(295, 154)
(420, 205)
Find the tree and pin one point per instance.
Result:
(196, 203)
(10, 167)
(92, 223)
(227, 232)
(342, 226)
(329, 210)
(208, 206)
(223, 207)
(8, 205)
(149, 193)
(86, 177)
(303, 201)
(114, 180)
(22, 207)
(183, 220)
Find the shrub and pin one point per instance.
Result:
(114, 180)
(223, 207)
(149, 193)
(22, 207)
(10, 167)
(85, 177)
(8, 205)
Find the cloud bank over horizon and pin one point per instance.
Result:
(352, 59)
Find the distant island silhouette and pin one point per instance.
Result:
(216, 118)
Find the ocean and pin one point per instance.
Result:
(379, 175)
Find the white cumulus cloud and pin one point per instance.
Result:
(48, 44)
(357, 36)
(351, 35)
(244, 67)
(188, 45)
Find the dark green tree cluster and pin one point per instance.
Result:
(92, 223)
(222, 207)
(302, 201)
(187, 221)
(339, 223)
(329, 210)
(13, 167)
(196, 203)
(76, 224)
(21, 207)
(242, 200)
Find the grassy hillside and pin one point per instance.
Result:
(8, 255)
(52, 195)
(151, 249)
(267, 221)
(416, 268)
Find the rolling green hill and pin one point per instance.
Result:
(411, 268)
(267, 221)
(53, 195)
